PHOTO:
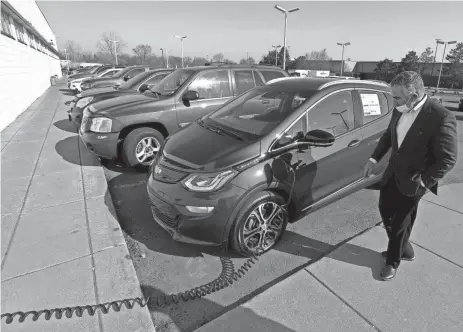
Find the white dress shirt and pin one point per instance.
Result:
(405, 122)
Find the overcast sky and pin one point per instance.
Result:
(375, 29)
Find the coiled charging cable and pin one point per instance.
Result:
(226, 278)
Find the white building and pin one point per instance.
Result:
(28, 57)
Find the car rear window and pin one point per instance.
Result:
(271, 74)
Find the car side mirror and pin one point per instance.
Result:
(318, 138)
(126, 78)
(143, 88)
(190, 95)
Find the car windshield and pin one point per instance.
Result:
(260, 110)
(172, 82)
(134, 81)
(122, 72)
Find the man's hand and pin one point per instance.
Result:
(370, 168)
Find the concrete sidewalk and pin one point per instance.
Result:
(342, 291)
(61, 244)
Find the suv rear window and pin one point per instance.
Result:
(271, 74)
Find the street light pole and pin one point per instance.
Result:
(435, 54)
(342, 59)
(66, 56)
(443, 54)
(115, 48)
(276, 53)
(167, 56)
(286, 12)
(181, 41)
(162, 51)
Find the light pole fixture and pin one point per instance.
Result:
(435, 54)
(276, 53)
(286, 12)
(115, 48)
(342, 59)
(181, 41)
(443, 54)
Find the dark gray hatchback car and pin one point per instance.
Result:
(135, 126)
(266, 158)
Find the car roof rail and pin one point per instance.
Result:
(344, 81)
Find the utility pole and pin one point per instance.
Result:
(442, 63)
(276, 53)
(181, 41)
(342, 59)
(286, 12)
(435, 54)
(66, 57)
(167, 55)
(115, 48)
(163, 62)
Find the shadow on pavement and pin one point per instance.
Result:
(247, 316)
(296, 244)
(68, 149)
(66, 125)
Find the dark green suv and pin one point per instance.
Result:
(135, 126)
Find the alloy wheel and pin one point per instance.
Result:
(146, 150)
(263, 227)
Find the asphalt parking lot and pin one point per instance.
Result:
(166, 267)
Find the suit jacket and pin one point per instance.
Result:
(428, 151)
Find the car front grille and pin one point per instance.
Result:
(164, 212)
(167, 174)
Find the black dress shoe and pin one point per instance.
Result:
(388, 272)
(404, 256)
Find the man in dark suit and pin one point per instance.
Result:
(423, 137)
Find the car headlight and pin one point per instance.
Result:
(84, 102)
(208, 182)
(101, 125)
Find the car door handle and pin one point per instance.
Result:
(265, 102)
(354, 143)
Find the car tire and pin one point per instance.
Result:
(264, 199)
(132, 141)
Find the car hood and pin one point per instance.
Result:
(125, 101)
(79, 76)
(104, 80)
(96, 91)
(205, 150)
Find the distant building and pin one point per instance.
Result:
(28, 57)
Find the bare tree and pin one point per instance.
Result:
(219, 57)
(247, 61)
(321, 55)
(105, 45)
(73, 50)
(142, 52)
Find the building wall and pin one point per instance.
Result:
(26, 61)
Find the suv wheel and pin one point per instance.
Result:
(260, 225)
(141, 146)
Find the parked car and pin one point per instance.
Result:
(94, 71)
(215, 181)
(76, 85)
(139, 84)
(123, 76)
(134, 127)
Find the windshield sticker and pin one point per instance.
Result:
(370, 104)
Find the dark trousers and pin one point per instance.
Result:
(398, 213)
